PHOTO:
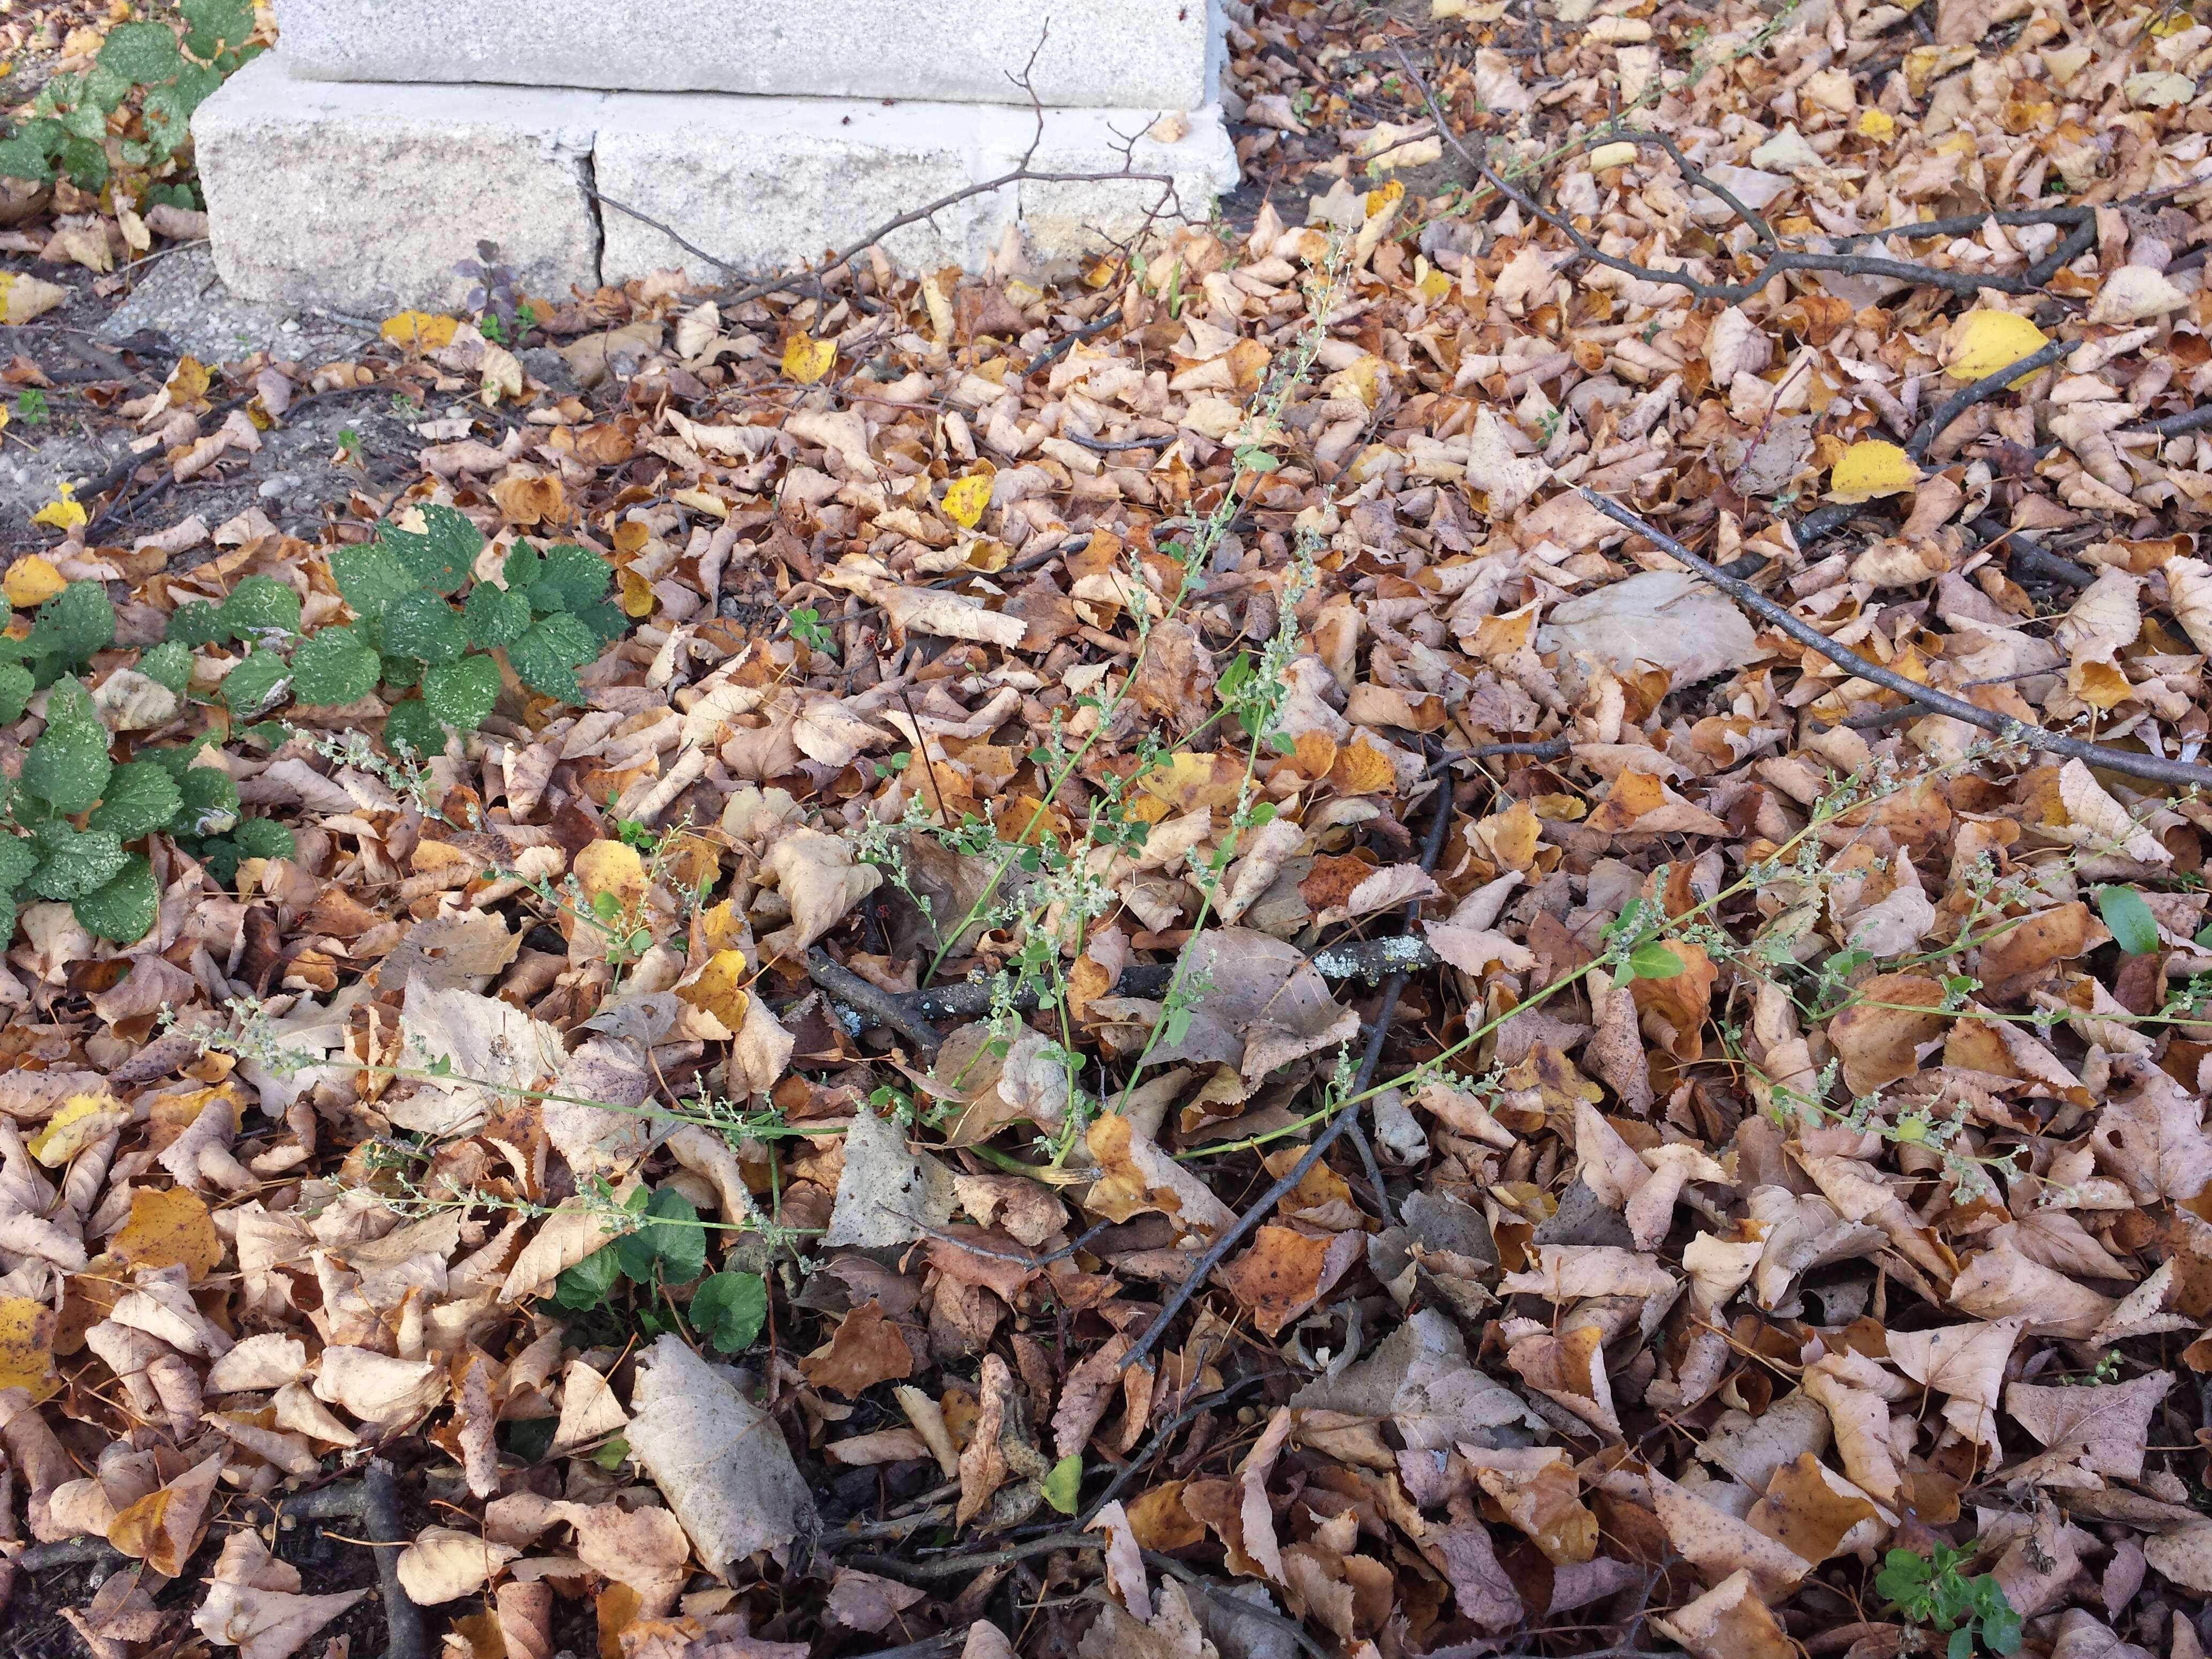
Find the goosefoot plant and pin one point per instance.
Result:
(67, 132)
(1930, 1590)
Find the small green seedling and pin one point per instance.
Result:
(1932, 1591)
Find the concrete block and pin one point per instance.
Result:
(1145, 54)
(364, 196)
(770, 184)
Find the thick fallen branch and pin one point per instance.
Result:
(2183, 774)
(876, 1006)
(2031, 558)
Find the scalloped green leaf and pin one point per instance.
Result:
(144, 54)
(69, 766)
(123, 907)
(18, 859)
(414, 724)
(264, 838)
(571, 578)
(370, 576)
(196, 621)
(441, 554)
(210, 803)
(17, 686)
(140, 798)
(73, 624)
(74, 862)
(257, 685)
(169, 665)
(423, 626)
(333, 666)
(259, 603)
(461, 694)
(545, 658)
(494, 616)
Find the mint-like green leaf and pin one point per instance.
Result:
(140, 798)
(423, 626)
(1653, 960)
(144, 54)
(495, 615)
(2134, 928)
(18, 859)
(169, 665)
(21, 157)
(68, 767)
(264, 838)
(209, 806)
(197, 623)
(571, 578)
(73, 624)
(333, 666)
(217, 26)
(440, 555)
(605, 621)
(74, 862)
(122, 909)
(729, 1308)
(461, 694)
(370, 576)
(16, 688)
(546, 657)
(257, 685)
(413, 725)
(259, 603)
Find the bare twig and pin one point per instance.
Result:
(1233, 1235)
(1981, 391)
(2155, 767)
(2031, 558)
(1547, 749)
(1778, 259)
(2172, 426)
(881, 1007)
(408, 1636)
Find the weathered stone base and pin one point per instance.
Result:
(1097, 54)
(361, 196)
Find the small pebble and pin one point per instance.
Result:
(290, 325)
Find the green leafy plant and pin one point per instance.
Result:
(729, 1308)
(67, 133)
(1930, 1590)
(72, 818)
(30, 406)
(549, 617)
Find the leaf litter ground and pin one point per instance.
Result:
(1466, 918)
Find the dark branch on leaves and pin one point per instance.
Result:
(1980, 391)
(2186, 773)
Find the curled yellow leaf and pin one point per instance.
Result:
(421, 330)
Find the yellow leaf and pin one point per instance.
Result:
(22, 298)
(1878, 124)
(420, 330)
(64, 513)
(637, 599)
(27, 1346)
(1983, 341)
(1871, 469)
(1432, 285)
(188, 383)
(612, 867)
(170, 1228)
(82, 1119)
(806, 360)
(31, 582)
(1608, 156)
(720, 989)
(966, 498)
